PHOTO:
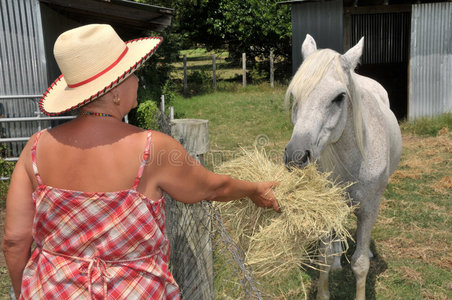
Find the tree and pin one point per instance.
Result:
(251, 26)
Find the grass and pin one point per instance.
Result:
(241, 118)
(429, 126)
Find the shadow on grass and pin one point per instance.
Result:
(342, 284)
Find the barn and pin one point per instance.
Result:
(408, 46)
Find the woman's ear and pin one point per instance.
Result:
(114, 93)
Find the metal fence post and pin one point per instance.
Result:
(244, 69)
(162, 103)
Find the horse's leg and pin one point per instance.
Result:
(327, 257)
(367, 216)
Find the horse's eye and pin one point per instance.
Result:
(339, 98)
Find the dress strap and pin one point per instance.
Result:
(33, 157)
(144, 161)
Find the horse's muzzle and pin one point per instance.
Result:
(296, 159)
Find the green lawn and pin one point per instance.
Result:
(241, 118)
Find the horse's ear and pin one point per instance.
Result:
(309, 46)
(351, 58)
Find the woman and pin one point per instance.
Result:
(89, 192)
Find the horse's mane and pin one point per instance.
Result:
(307, 78)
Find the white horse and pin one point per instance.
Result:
(343, 121)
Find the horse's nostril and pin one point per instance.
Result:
(306, 156)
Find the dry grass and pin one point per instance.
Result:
(424, 156)
(312, 207)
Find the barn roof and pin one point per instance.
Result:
(122, 13)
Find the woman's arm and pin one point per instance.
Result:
(186, 180)
(20, 211)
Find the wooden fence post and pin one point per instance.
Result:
(189, 225)
(272, 74)
(244, 69)
(214, 70)
(185, 75)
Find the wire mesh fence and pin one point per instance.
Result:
(205, 261)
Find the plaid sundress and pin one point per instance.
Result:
(98, 245)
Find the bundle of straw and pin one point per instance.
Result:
(312, 208)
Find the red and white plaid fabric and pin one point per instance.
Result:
(98, 245)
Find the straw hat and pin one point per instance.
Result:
(93, 60)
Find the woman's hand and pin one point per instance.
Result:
(264, 196)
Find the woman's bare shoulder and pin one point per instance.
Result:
(163, 141)
(160, 137)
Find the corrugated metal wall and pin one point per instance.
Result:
(430, 91)
(386, 36)
(322, 20)
(22, 67)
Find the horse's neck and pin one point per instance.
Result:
(343, 158)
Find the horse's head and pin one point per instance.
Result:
(321, 90)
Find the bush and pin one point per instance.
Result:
(168, 91)
(147, 115)
(6, 169)
(198, 77)
(259, 73)
(199, 82)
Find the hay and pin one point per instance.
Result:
(312, 207)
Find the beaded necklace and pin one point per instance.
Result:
(88, 113)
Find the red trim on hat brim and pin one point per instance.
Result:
(108, 87)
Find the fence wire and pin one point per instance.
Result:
(205, 261)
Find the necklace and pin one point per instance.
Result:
(88, 113)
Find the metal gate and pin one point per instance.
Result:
(22, 71)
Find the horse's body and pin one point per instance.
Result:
(343, 120)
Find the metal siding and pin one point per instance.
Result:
(322, 20)
(22, 67)
(430, 91)
(386, 36)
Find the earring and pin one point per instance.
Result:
(117, 100)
